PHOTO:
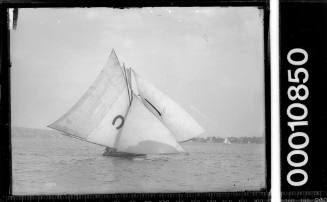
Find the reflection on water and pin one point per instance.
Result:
(51, 163)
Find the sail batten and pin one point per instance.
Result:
(153, 106)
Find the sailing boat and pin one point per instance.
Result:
(226, 141)
(128, 115)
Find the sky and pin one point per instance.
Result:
(209, 60)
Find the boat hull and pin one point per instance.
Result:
(114, 153)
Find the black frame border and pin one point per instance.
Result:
(291, 12)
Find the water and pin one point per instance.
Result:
(49, 163)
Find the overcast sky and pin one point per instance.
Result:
(209, 60)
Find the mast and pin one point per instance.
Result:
(127, 83)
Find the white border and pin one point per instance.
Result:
(275, 115)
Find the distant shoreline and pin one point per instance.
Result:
(213, 139)
(230, 140)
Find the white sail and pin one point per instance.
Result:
(143, 133)
(226, 141)
(176, 119)
(98, 115)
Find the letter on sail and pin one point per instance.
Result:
(176, 119)
(100, 113)
(144, 133)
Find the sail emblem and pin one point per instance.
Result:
(121, 123)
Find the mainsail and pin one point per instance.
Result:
(174, 117)
(92, 117)
(122, 111)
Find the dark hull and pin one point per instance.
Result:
(122, 154)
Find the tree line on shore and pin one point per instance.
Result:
(231, 140)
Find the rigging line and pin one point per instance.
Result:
(129, 85)
(129, 77)
(125, 76)
(121, 129)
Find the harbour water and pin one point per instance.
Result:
(46, 162)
